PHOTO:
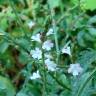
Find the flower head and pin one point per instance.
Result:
(50, 31)
(36, 37)
(75, 69)
(66, 50)
(47, 45)
(35, 75)
(36, 54)
(50, 65)
(31, 24)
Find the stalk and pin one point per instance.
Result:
(55, 36)
(44, 73)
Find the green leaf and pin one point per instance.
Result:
(24, 57)
(3, 46)
(6, 87)
(87, 4)
(80, 38)
(64, 80)
(85, 82)
(92, 20)
(86, 58)
(4, 23)
(24, 43)
(92, 31)
(2, 32)
(54, 3)
(21, 94)
(90, 4)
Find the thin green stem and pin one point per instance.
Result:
(44, 73)
(55, 36)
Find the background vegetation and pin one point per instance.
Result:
(75, 25)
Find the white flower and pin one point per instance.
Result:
(50, 31)
(31, 24)
(36, 37)
(50, 65)
(47, 45)
(75, 69)
(66, 50)
(36, 54)
(35, 75)
(48, 56)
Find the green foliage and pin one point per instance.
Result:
(90, 4)
(86, 58)
(86, 4)
(54, 4)
(6, 87)
(73, 23)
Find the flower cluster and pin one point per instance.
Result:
(37, 53)
(50, 65)
(74, 69)
(47, 45)
(36, 37)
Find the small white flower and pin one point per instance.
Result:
(31, 24)
(50, 31)
(75, 69)
(47, 45)
(36, 54)
(50, 65)
(35, 75)
(66, 50)
(36, 37)
(48, 56)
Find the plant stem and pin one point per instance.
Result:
(55, 36)
(44, 73)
